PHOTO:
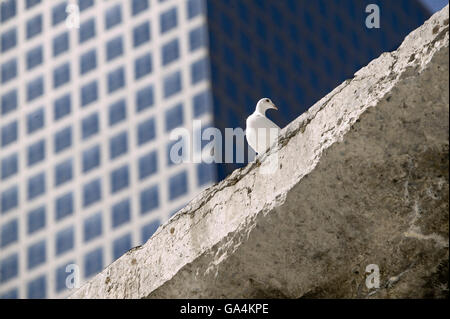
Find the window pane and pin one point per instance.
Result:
(34, 57)
(205, 173)
(178, 185)
(92, 192)
(118, 145)
(170, 52)
(35, 121)
(201, 103)
(148, 230)
(144, 98)
(199, 70)
(64, 206)
(61, 75)
(8, 40)
(9, 267)
(174, 117)
(116, 80)
(149, 199)
(139, 6)
(64, 240)
(148, 165)
(90, 126)
(9, 133)
(117, 112)
(91, 158)
(36, 219)
(121, 246)
(63, 172)
(36, 254)
(61, 43)
(92, 227)
(36, 186)
(93, 262)
(121, 213)
(62, 107)
(172, 84)
(35, 88)
(146, 131)
(87, 30)
(63, 139)
(9, 70)
(9, 166)
(36, 152)
(8, 10)
(142, 66)
(168, 20)
(88, 61)
(194, 8)
(113, 16)
(36, 289)
(85, 4)
(141, 34)
(114, 48)
(119, 179)
(9, 199)
(34, 26)
(9, 233)
(197, 38)
(8, 102)
(89, 93)
(59, 13)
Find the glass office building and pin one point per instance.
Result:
(86, 113)
(85, 117)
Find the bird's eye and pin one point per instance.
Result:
(267, 100)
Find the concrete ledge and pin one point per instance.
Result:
(362, 179)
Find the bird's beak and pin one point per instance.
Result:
(275, 107)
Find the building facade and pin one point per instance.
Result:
(85, 118)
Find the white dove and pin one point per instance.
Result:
(261, 132)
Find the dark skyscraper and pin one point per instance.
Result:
(294, 52)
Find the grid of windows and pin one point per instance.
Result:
(63, 171)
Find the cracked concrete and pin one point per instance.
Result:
(362, 179)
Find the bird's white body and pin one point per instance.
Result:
(261, 132)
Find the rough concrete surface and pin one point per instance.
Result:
(362, 179)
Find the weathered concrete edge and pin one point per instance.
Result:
(121, 280)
